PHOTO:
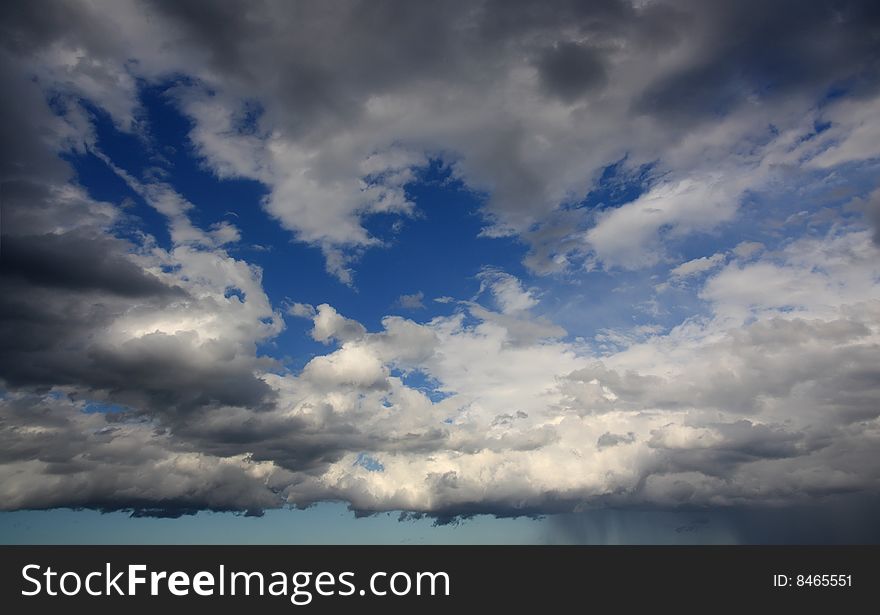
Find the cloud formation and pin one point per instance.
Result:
(527, 103)
(766, 393)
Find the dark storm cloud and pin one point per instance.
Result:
(767, 49)
(569, 70)
(327, 58)
(61, 291)
(737, 49)
(28, 26)
(47, 340)
(81, 462)
(24, 152)
(65, 279)
(79, 262)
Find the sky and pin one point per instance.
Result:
(458, 272)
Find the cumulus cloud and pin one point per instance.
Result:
(55, 455)
(768, 395)
(528, 103)
(713, 413)
(329, 325)
(508, 292)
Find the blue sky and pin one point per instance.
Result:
(521, 274)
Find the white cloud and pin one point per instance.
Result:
(329, 325)
(509, 294)
(631, 235)
(697, 266)
(854, 134)
(746, 249)
(709, 398)
(411, 302)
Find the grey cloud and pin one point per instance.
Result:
(508, 419)
(60, 290)
(66, 280)
(212, 425)
(568, 70)
(744, 49)
(735, 443)
(520, 331)
(447, 68)
(328, 71)
(46, 342)
(165, 372)
(608, 439)
(42, 206)
(869, 207)
(831, 365)
(30, 26)
(55, 456)
(79, 262)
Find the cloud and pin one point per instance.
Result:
(527, 104)
(329, 325)
(630, 235)
(411, 302)
(710, 413)
(508, 292)
(765, 395)
(119, 318)
(54, 455)
(697, 266)
(611, 439)
(81, 262)
(869, 207)
(746, 249)
(569, 70)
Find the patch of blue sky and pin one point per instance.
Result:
(438, 252)
(369, 463)
(619, 183)
(96, 407)
(417, 379)
(235, 292)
